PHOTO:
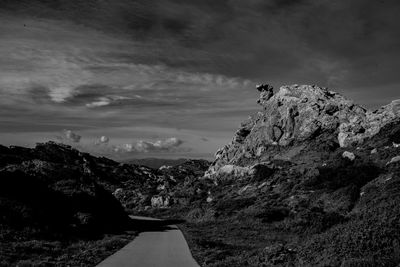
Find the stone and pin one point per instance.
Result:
(331, 109)
(246, 189)
(394, 160)
(160, 201)
(348, 155)
(164, 167)
(118, 191)
(260, 151)
(266, 92)
(374, 151)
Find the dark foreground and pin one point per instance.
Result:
(59, 252)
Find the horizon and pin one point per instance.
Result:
(171, 78)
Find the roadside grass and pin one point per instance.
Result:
(69, 252)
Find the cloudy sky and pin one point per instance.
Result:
(172, 78)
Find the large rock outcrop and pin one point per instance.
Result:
(313, 170)
(297, 115)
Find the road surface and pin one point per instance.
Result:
(156, 248)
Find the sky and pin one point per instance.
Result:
(174, 78)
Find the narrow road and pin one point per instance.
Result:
(156, 248)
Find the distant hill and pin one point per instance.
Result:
(155, 163)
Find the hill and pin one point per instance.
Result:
(155, 163)
(59, 206)
(312, 179)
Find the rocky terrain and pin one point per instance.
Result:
(312, 179)
(163, 187)
(59, 206)
(155, 163)
(296, 115)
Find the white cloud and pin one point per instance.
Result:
(60, 94)
(102, 140)
(100, 102)
(71, 136)
(105, 101)
(147, 146)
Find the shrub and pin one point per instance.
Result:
(230, 206)
(200, 215)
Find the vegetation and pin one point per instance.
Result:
(317, 209)
(321, 209)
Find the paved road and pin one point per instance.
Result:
(158, 248)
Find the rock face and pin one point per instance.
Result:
(316, 167)
(296, 115)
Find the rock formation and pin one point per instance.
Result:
(315, 171)
(295, 115)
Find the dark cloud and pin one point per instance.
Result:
(278, 40)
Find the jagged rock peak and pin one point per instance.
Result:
(266, 92)
(297, 113)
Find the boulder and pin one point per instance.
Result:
(160, 201)
(348, 155)
(394, 160)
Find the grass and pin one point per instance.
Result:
(41, 252)
(231, 242)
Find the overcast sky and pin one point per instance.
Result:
(172, 78)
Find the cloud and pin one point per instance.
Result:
(71, 136)
(189, 65)
(100, 102)
(103, 140)
(106, 100)
(278, 40)
(141, 146)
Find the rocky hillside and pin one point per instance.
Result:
(56, 207)
(294, 117)
(87, 179)
(70, 205)
(312, 179)
(54, 187)
(155, 163)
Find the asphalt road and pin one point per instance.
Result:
(164, 247)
